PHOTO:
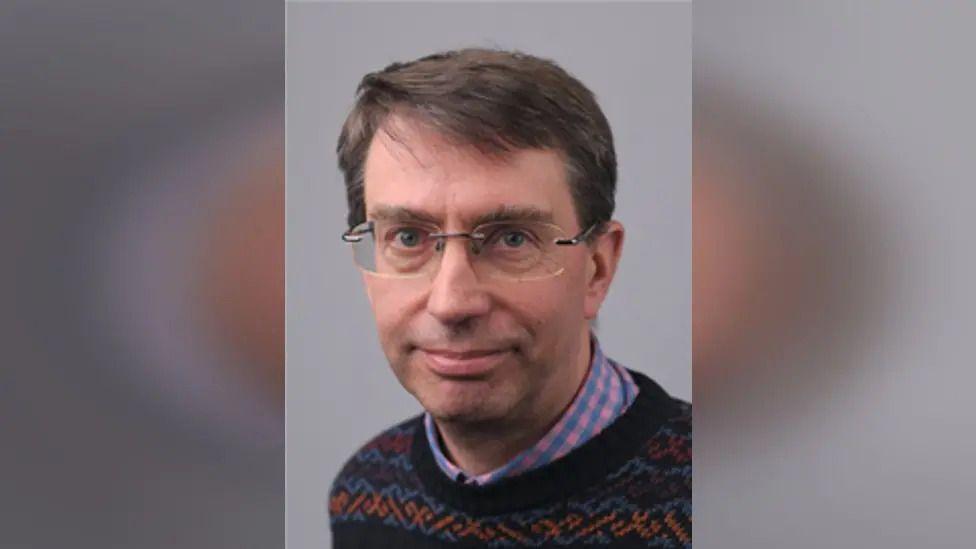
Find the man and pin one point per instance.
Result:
(481, 192)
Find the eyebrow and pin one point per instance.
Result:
(384, 212)
(514, 213)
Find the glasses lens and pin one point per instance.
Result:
(393, 249)
(520, 251)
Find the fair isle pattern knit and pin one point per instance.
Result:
(628, 486)
(604, 395)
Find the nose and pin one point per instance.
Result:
(456, 294)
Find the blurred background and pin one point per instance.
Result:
(833, 260)
(141, 274)
(141, 289)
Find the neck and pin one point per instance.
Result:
(483, 447)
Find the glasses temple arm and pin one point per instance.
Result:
(578, 238)
(356, 233)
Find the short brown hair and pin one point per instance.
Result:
(496, 101)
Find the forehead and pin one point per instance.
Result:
(419, 170)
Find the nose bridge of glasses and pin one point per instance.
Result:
(445, 260)
(474, 240)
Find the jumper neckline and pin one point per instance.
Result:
(585, 466)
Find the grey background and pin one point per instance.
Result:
(635, 57)
(123, 422)
(862, 434)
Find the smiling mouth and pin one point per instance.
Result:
(463, 364)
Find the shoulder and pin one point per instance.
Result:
(673, 438)
(680, 418)
(668, 442)
(381, 463)
(674, 414)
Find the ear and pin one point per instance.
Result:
(604, 255)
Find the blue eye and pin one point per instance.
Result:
(514, 239)
(408, 238)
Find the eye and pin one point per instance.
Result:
(510, 238)
(513, 238)
(408, 237)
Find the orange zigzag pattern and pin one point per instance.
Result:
(411, 514)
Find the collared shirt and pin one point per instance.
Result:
(605, 394)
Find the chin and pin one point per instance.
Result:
(458, 407)
(458, 416)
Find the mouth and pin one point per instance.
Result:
(463, 364)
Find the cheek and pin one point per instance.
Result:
(390, 304)
(548, 306)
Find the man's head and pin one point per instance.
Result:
(450, 141)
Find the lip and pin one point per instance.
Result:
(472, 363)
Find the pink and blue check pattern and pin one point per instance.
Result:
(605, 395)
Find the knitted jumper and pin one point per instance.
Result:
(629, 486)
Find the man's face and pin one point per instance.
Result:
(475, 349)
